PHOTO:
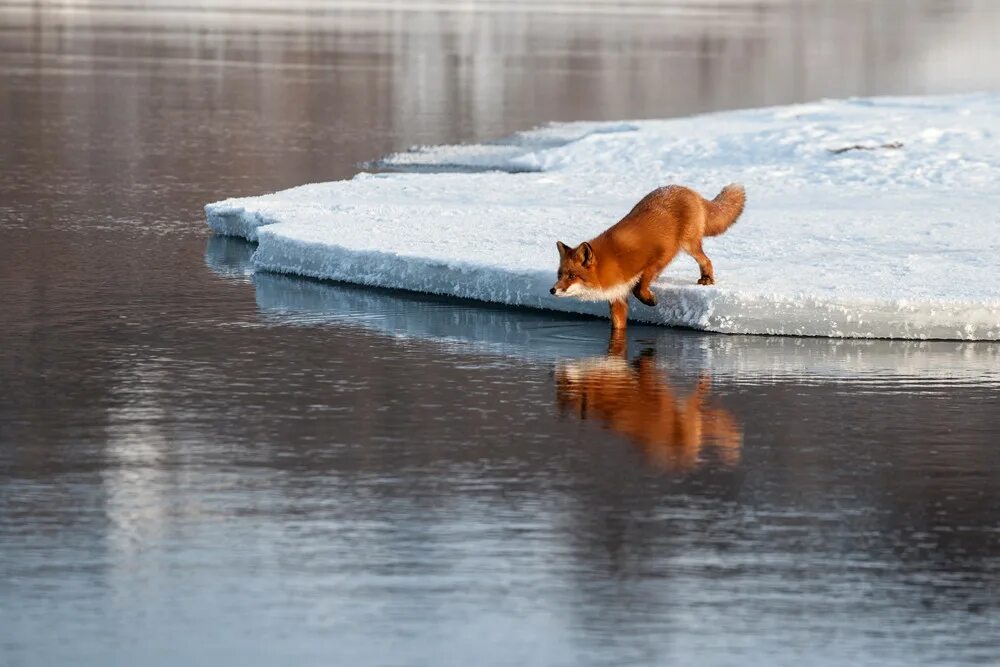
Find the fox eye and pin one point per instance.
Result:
(570, 276)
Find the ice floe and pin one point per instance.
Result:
(897, 236)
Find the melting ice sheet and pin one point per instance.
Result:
(866, 217)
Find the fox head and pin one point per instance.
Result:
(576, 270)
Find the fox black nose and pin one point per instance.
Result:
(552, 291)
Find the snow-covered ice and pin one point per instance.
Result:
(888, 242)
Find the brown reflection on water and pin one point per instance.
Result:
(669, 429)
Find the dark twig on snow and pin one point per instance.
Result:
(859, 147)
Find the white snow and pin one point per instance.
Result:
(876, 242)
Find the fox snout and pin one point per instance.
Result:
(562, 287)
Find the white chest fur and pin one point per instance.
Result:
(619, 292)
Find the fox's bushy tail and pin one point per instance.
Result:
(722, 212)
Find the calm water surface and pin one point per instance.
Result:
(203, 465)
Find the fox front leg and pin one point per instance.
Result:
(619, 314)
(641, 290)
(642, 293)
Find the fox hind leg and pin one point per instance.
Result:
(704, 264)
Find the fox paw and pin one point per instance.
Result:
(706, 280)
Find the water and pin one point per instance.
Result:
(203, 465)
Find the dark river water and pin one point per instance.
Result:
(200, 465)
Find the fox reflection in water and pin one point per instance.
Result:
(635, 400)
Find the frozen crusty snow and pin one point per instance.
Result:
(870, 242)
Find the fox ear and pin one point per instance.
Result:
(563, 249)
(585, 254)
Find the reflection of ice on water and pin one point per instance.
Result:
(230, 257)
(537, 335)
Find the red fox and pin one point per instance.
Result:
(635, 400)
(630, 255)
